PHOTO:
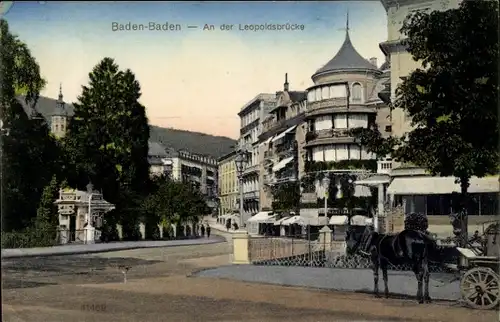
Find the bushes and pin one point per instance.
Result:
(30, 237)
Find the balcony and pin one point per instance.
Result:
(268, 126)
(336, 105)
(328, 136)
(251, 195)
(251, 169)
(284, 179)
(384, 167)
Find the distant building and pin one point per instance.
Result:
(198, 170)
(251, 116)
(228, 184)
(59, 118)
(281, 142)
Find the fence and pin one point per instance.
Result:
(317, 250)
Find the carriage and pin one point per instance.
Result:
(479, 268)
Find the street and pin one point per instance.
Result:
(91, 288)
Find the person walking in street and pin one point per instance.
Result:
(208, 231)
(202, 229)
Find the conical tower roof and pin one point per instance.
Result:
(347, 58)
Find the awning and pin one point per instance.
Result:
(295, 220)
(338, 220)
(282, 134)
(280, 221)
(426, 185)
(263, 216)
(359, 220)
(373, 181)
(362, 191)
(280, 165)
(266, 142)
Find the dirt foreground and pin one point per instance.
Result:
(176, 297)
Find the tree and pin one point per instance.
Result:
(29, 154)
(175, 202)
(46, 221)
(107, 140)
(452, 101)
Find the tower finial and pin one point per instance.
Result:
(285, 86)
(347, 22)
(60, 92)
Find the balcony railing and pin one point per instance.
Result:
(327, 133)
(332, 102)
(271, 125)
(384, 167)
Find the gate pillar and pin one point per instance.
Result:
(241, 243)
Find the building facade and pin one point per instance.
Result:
(228, 184)
(251, 116)
(281, 142)
(412, 186)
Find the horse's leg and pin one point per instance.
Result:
(375, 266)
(419, 274)
(426, 276)
(383, 266)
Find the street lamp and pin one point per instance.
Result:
(241, 160)
(326, 184)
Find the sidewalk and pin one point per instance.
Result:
(100, 248)
(222, 228)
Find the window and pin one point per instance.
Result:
(323, 123)
(357, 92)
(57, 127)
(325, 92)
(354, 152)
(318, 94)
(340, 121)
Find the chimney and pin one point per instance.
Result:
(373, 61)
(285, 86)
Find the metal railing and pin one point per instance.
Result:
(321, 249)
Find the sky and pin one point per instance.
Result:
(194, 79)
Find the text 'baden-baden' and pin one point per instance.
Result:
(150, 26)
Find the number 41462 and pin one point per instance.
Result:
(94, 307)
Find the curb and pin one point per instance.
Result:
(218, 240)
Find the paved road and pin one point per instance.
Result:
(357, 280)
(85, 288)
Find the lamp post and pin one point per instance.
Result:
(241, 160)
(326, 184)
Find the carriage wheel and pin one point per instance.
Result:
(479, 288)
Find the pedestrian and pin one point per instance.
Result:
(208, 231)
(202, 229)
(228, 224)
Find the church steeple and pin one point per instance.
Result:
(59, 116)
(60, 99)
(285, 85)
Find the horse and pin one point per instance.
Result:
(407, 247)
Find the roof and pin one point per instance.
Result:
(259, 97)
(346, 58)
(296, 96)
(379, 87)
(47, 107)
(157, 149)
